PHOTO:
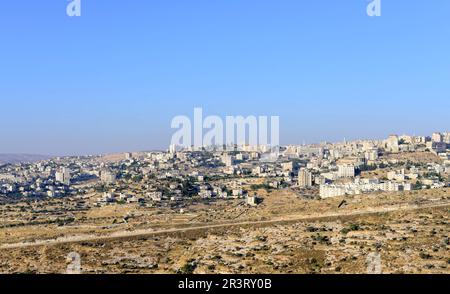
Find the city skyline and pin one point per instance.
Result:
(260, 147)
(113, 79)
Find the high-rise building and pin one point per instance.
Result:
(346, 171)
(228, 160)
(173, 149)
(304, 178)
(371, 155)
(392, 144)
(63, 176)
(437, 137)
(447, 137)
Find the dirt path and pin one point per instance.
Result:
(290, 218)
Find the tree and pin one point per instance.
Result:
(188, 268)
(418, 185)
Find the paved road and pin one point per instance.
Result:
(291, 218)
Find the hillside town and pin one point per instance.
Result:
(319, 208)
(170, 178)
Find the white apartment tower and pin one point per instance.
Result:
(304, 178)
(173, 149)
(346, 171)
(392, 144)
(371, 155)
(63, 176)
(447, 137)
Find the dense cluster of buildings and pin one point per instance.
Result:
(158, 178)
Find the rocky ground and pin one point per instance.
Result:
(414, 240)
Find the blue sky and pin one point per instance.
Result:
(113, 79)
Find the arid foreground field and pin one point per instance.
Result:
(285, 234)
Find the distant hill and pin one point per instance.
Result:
(21, 158)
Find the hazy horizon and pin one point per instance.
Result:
(117, 151)
(112, 80)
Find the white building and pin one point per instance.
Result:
(362, 186)
(63, 176)
(172, 149)
(437, 137)
(155, 196)
(447, 137)
(304, 178)
(392, 144)
(288, 166)
(108, 177)
(327, 191)
(252, 200)
(396, 175)
(346, 171)
(371, 155)
(228, 160)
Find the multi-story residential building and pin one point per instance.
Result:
(63, 176)
(407, 139)
(346, 171)
(396, 175)
(304, 178)
(371, 155)
(108, 177)
(447, 138)
(327, 191)
(437, 147)
(155, 196)
(252, 200)
(362, 186)
(287, 166)
(228, 160)
(172, 149)
(392, 144)
(437, 137)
